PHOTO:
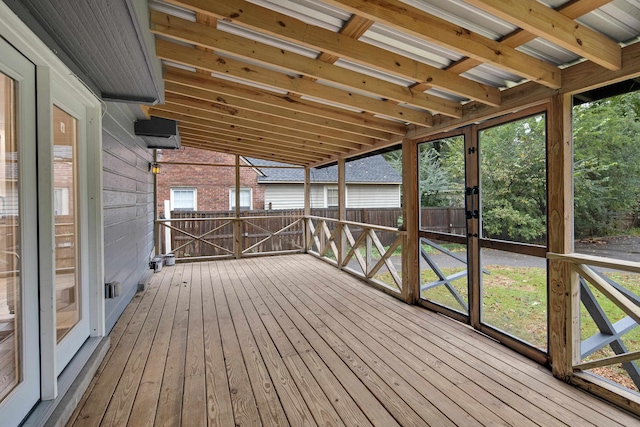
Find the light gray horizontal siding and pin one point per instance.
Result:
(128, 207)
(284, 196)
(373, 196)
(291, 196)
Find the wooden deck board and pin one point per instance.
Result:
(293, 341)
(94, 408)
(530, 379)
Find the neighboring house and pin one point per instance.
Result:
(197, 187)
(371, 182)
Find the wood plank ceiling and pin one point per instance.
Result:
(307, 82)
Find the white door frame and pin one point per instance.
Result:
(50, 73)
(19, 402)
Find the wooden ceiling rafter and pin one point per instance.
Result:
(249, 151)
(306, 147)
(302, 120)
(240, 122)
(424, 26)
(209, 94)
(242, 143)
(255, 144)
(573, 10)
(551, 25)
(190, 57)
(365, 125)
(201, 35)
(343, 45)
(314, 132)
(238, 131)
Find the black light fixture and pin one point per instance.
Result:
(159, 133)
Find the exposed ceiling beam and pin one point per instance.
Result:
(515, 99)
(239, 131)
(243, 150)
(308, 147)
(403, 17)
(228, 98)
(573, 9)
(343, 45)
(587, 75)
(310, 129)
(207, 37)
(555, 27)
(378, 127)
(266, 145)
(254, 147)
(190, 57)
(355, 28)
(240, 122)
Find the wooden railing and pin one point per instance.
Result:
(371, 252)
(358, 249)
(591, 353)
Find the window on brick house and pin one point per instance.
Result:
(183, 199)
(246, 201)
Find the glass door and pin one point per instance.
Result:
(72, 320)
(19, 333)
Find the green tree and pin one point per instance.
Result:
(513, 180)
(434, 166)
(606, 163)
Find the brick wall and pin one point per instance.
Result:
(212, 183)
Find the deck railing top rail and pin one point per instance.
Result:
(358, 224)
(597, 261)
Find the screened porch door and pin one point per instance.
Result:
(483, 229)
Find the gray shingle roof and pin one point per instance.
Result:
(374, 169)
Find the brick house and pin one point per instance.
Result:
(200, 187)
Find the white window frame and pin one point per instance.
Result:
(232, 197)
(328, 188)
(195, 198)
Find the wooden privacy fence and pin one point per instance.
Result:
(200, 236)
(216, 227)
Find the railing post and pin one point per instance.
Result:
(411, 218)
(237, 224)
(307, 206)
(564, 297)
(168, 235)
(342, 213)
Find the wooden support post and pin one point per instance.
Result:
(307, 205)
(342, 211)
(564, 301)
(410, 223)
(472, 200)
(474, 270)
(237, 224)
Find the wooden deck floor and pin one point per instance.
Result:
(290, 340)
